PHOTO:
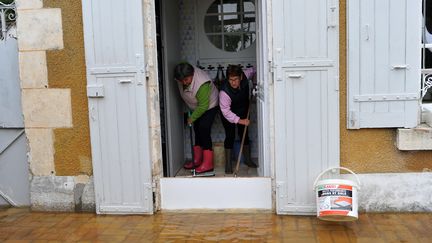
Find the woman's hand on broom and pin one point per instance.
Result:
(244, 122)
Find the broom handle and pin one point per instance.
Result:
(191, 142)
(241, 145)
(192, 145)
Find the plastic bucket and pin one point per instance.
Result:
(337, 199)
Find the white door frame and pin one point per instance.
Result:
(263, 92)
(226, 192)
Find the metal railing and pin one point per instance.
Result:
(426, 81)
(8, 15)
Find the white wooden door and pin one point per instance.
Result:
(116, 87)
(306, 92)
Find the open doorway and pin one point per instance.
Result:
(210, 34)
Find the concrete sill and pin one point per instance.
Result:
(420, 137)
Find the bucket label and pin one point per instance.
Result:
(335, 197)
(335, 192)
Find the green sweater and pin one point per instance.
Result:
(203, 98)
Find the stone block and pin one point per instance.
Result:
(47, 108)
(154, 111)
(79, 188)
(88, 200)
(29, 4)
(84, 179)
(39, 29)
(155, 150)
(33, 69)
(418, 138)
(52, 193)
(41, 155)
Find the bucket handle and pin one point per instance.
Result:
(333, 168)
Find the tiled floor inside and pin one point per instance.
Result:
(21, 225)
(219, 171)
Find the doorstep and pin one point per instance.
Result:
(216, 193)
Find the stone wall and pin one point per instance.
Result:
(44, 109)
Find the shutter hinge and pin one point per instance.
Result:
(271, 66)
(353, 120)
(276, 65)
(272, 69)
(280, 191)
(333, 17)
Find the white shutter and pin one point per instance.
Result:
(116, 87)
(384, 54)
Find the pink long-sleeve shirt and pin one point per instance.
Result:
(225, 100)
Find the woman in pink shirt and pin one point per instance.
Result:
(234, 104)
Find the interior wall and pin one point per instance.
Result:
(371, 150)
(173, 106)
(187, 31)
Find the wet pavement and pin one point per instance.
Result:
(21, 225)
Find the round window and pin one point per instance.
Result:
(230, 24)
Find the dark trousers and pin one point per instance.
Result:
(202, 128)
(230, 133)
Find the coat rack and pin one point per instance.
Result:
(214, 68)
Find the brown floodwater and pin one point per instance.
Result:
(22, 225)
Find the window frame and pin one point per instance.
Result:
(242, 13)
(207, 51)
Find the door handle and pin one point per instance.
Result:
(295, 75)
(125, 81)
(400, 66)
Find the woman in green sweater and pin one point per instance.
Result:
(201, 96)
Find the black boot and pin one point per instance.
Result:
(228, 164)
(247, 156)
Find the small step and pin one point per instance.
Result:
(418, 138)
